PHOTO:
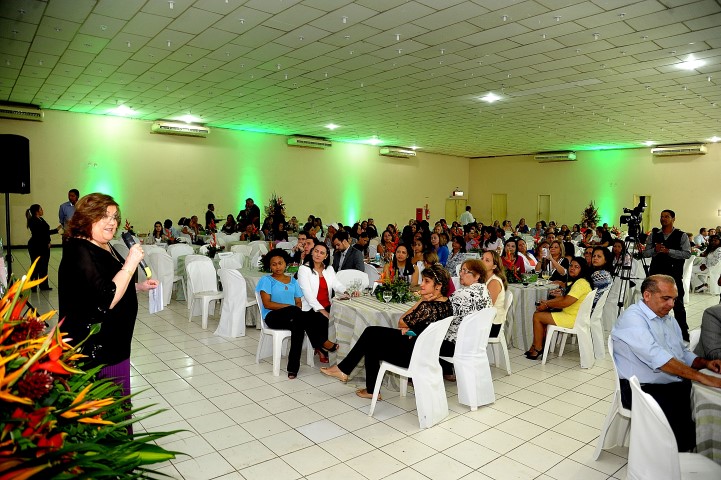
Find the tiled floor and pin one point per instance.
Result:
(241, 422)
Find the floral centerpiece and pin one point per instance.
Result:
(397, 285)
(275, 207)
(213, 246)
(590, 215)
(56, 420)
(250, 234)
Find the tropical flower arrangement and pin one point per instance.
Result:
(251, 233)
(590, 215)
(56, 420)
(275, 206)
(397, 285)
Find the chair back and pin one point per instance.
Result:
(372, 273)
(233, 260)
(232, 315)
(259, 301)
(287, 246)
(372, 250)
(583, 316)
(428, 346)
(177, 250)
(473, 333)
(653, 452)
(197, 258)
(201, 276)
(694, 336)
(713, 274)
(233, 237)
(346, 277)
(151, 248)
(596, 322)
(161, 264)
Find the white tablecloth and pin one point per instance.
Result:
(520, 315)
(706, 405)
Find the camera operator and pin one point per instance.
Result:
(669, 248)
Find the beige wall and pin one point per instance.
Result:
(689, 185)
(163, 176)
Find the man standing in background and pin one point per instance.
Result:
(68, 208)
(466, 217)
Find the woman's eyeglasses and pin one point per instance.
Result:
(109, 218)
(465, 271)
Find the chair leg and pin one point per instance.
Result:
(604, 430)
(204, 313)
(549, 337)
(190, 306)
(563, 344)
(309, 353)
(377, 389)
(504, 349)
(277, 347)
(404, 386)
(260, 347)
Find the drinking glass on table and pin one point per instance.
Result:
(546, 275)
(387, 296)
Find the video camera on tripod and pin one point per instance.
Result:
(633, 217)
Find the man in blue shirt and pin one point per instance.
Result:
(647, 342)
(68, 208)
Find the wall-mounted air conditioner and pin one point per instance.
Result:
(543, 157)
(180, 128)
(311, 142)
(672, 150)
(22, 113)
(397, 152)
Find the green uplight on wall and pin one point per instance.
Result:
(607, 201)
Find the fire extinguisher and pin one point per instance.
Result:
(428, 212)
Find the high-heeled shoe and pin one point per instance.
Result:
(339, 375)
(538, 354)
(322, 356)
(334, 348)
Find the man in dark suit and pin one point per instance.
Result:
(251, 214)
(344, 257)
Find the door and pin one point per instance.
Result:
(646, 220)
(454, 208)
(499, 207)
(544, 208)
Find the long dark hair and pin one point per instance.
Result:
(308, 260)
(461, 241)
(492, 235)
(608, 266)
(31, 212)
(408, 268)
(513, 240)
(585, 272)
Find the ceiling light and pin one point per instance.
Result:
(415, 147)
(691, 64)
(331, 126)
(375, 140)
(490, 97)
(188, 118)
(714, 139)
(122, 111)
(649, 143)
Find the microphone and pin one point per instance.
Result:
(129, 242)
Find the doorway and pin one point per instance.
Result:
(499, 207)
(544, 208)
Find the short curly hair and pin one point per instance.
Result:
(276, 252)
(89, 210)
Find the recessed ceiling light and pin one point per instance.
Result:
(649, 143)
(691, 64)
(714, 139)
(188, 118)
(122, 111)
(375, 140)
(490, 97)
(331, 126)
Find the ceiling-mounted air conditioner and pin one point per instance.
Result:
(30, 112)
(672, 150)
(311, 142)
(179, 128)
(397, 152)
(565, 156)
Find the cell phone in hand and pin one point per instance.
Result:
(411, 333)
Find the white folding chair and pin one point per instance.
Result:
(424, 367)
(346, 277)
(499, 345)
(232, 313)
(202, 290)
(596, 326)
(372, 273)
(581, 328)
(470, 360)
(653, 452)
(686, 279)
(187, 259)
(617, 424)
(161, 264)
(276, 337)
(287, 246)
(243, 251)
(231, 260)
(694, 336)
(176, 251)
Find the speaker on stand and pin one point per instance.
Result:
(15, 178)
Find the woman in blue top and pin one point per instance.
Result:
(441, 250)
(281, 306)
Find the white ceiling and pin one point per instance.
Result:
(572, 74)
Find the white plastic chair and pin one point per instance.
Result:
(596, 327)
(372, 273)
(187, 260)
(581, 328)
(232, 313)
(243, 251)
(231, 260)
(161, 264)
(277, 337)
(287, 246)
(202, 289)
(686, 279)
(653, 452)
(617, 424)
(694, 336)
(712, 281)
(175, 251)
(346, 277)
(424, 367)
(372, 250)
(499, 345)
(470, 359)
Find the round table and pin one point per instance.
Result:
(520, 315)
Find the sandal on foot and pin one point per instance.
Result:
(292, 376)
(339, 375)
(534, 354)
(363, 393)
(321, 355)
(334, 348)
(450, 378)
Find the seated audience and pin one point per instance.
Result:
(298, 251)
(157, 235)
(471, 297)
(440, 249)
(170, 230)
(491, 242)
(378, 344)
(387, 246)
(604, 238)
(709, 345)
(701, 238)
(647, 343)
(402, 266)
(362, 244)
(230, 226)
(554, 262)
(496, 284)
(711, 257)
(456, 255)
(512, 261)
(602, 268)
(522, 228)
(570, 303)
(529, 261)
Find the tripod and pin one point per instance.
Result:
(623, 271)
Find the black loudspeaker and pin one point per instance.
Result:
(15, 165)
